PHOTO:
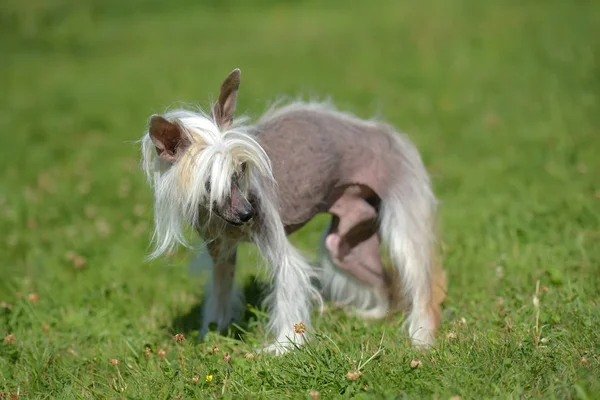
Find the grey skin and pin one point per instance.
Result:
(326, 163)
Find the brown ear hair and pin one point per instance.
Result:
(225, 107)
(167, 137)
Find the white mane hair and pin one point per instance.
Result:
(201, 175)
(285, 105)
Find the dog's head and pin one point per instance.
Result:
(207, 162)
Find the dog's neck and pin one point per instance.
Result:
(217, 227)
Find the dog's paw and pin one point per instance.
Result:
(284, 344)
(202, 334)
(276, 349)
(221, 325)
(206, 328)
(337, 247)
(219, 313)
(421, 330)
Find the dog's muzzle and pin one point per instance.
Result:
(246, 215)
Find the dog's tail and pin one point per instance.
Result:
(407, 227)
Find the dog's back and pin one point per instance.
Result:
(316, 150)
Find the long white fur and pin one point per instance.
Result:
(293, 292)
(180, 189)
(408, 227)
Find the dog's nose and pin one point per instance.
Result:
(246, 215)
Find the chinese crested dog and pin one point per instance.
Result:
(233, 182)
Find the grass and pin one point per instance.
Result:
(502, 99)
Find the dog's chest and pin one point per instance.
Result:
(223, 230)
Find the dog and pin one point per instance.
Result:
(232, 182)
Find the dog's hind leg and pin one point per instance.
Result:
(223, 300)
(410, 251)
(407, 227)
(351, 269)
(358, 279)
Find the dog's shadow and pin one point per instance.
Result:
(255, 293)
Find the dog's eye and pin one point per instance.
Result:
(244, 167)
(207, 186)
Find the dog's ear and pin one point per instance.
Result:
(225, 107)
(167, 137)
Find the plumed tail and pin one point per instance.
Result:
(407, 227)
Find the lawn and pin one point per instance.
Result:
(501, 98)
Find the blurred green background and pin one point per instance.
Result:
(501, 98)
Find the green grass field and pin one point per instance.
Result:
(502, 99)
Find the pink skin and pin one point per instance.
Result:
(353, 241)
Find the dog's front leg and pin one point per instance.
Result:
(291, 296)
(223, 301)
